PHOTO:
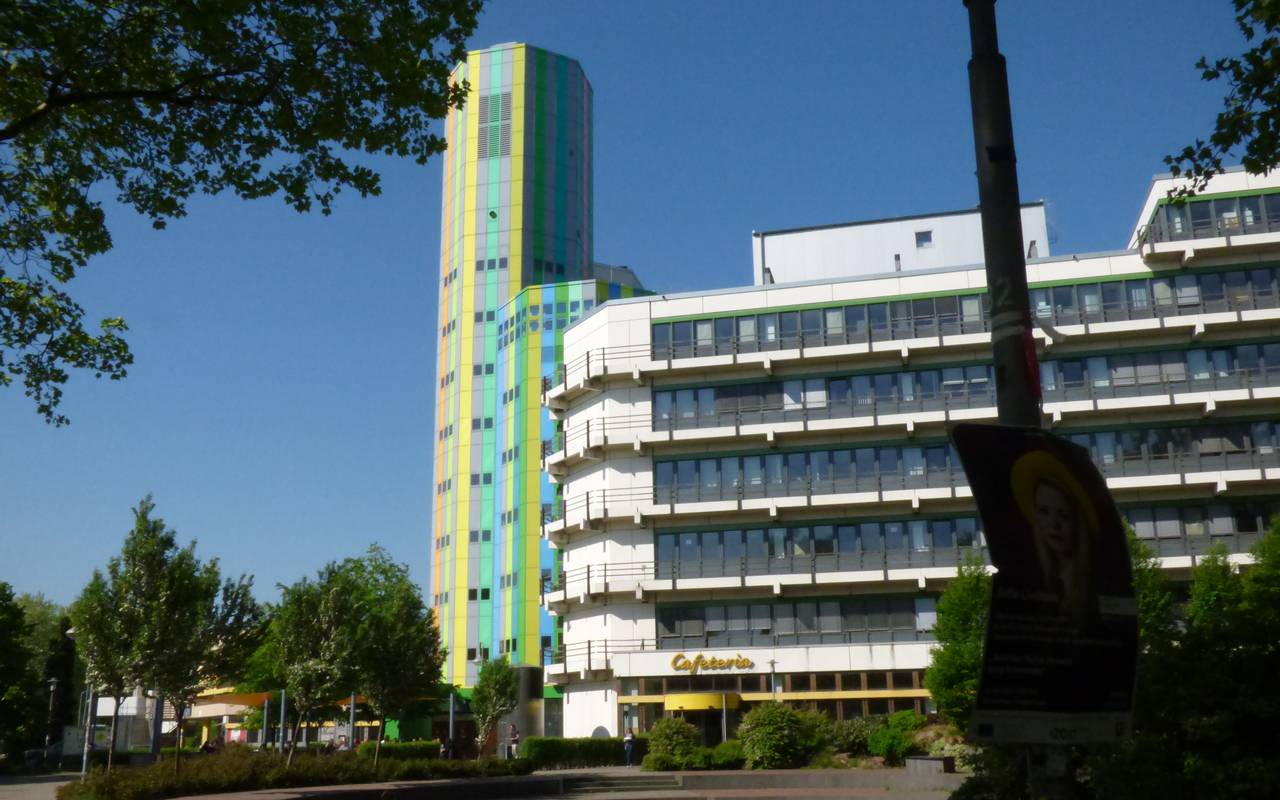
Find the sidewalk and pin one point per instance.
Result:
(33, 787)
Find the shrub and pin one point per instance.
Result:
(673, 737)
(240, 769)
(815, 732)
(656, 762)
(777, 736)
(965, 754)
(553, 752)
(908, 721)
(851, 735)
(892, 741)
(728, 755)
(400, 750)
(698, 758)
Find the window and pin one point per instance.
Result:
(924, 239)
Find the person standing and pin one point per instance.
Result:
(514, 750)
(628, 743)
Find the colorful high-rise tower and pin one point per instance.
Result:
(516, 213)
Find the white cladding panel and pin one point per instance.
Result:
(900, 245)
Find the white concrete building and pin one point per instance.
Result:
(759, 499)
(897, 244)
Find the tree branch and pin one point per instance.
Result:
(169, 95)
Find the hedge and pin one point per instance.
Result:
(400, 750)
(553, 752)
(240, 769)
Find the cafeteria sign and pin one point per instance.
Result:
(700, 662)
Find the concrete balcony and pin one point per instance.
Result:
(936, 332)
(589, 440)
(1165, 473)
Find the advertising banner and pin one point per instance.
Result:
(1062, 635)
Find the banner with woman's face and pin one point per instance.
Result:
(1058, 665)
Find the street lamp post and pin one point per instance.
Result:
(48, 730)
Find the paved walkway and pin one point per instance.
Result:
(33, 787)
(44, 787)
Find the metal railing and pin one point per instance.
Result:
(820, 563)
(1118, 465)
(593, 362)
(595, 655)
(889, 329)
(966, 397)
(600, 503)
(597, 361)
(807, 486)
(1162, 231)
(582, 578)
(1205, 303)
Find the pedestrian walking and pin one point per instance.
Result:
(514, 750)
(628, 743)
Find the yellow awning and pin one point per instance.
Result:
(701, 701)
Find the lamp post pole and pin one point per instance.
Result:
(48, 729)
(1013, 349)
(89, 718)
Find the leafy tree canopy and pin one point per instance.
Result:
(952, 676)
(15, 675)
(154, 102)
(397, 644)
(162, 619)
(1251, 117)
(495, 695)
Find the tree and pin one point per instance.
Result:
(961, 628)
(197, 631)
(15, 677)
(164, 620)
(160, 101)
(60, 663)
(1251, 117)
(1207, 704)
(495, 695)
(311, 634)
(102, 639)
(397, 646)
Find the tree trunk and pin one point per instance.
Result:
(377, 746)
(293, 745)
(177, 750)
(111, 745)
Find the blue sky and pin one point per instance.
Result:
(280, 406)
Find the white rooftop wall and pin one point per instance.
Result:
(894, 245)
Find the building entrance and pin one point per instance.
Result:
(714, 714)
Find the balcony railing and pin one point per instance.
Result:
(595, 655)
(601, 360)
(1164, 231)
(950, 399)
(594, 362)
(1112, 467)
(1205, 303)
(583, 579)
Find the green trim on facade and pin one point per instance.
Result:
(881, 299)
